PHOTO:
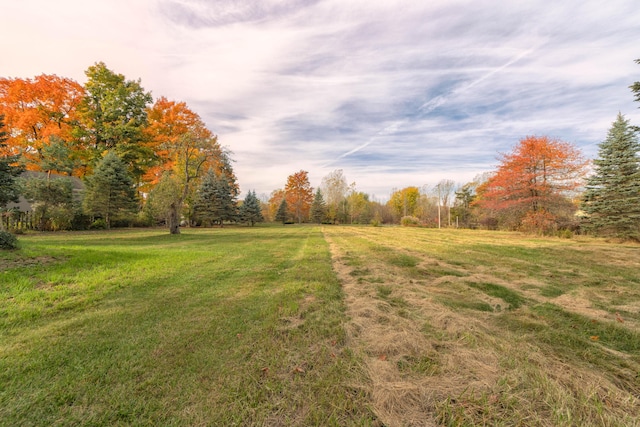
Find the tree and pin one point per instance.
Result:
(39, 112)
(635, 87)
(359, 208)
(251, 211)
(534, 182)
(318, 208)
(405, 202)
(335, 188)
(274, 203)
(51, 201)
(612, 197)
(163, 199)
(299, 195)
(114, 115)
(8, 173)
(186, 149)
(109, 192)
(444, 189)
(281, 215)
(215, 200)
(462, 205)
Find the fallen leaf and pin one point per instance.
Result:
(382, 357)
(594, 338)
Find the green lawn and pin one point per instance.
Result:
(212, 327)
(306, 325)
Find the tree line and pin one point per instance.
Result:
(141, 161)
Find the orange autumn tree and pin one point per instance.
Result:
(533, 185)
(185, 150)
(299, 195)
(40, 115)
(274, 203)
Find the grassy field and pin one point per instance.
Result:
(211, 327)
(303, 325)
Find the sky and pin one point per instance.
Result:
(395, 93)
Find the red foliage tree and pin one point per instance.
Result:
(535, 179)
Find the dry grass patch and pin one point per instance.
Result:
(475, 328)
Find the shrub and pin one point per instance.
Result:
(541, 223)
(60, 218)
(375, 223)
(409, 221)
(565, 234)
(8, 240)
(98, 224)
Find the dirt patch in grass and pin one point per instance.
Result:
(19, 262)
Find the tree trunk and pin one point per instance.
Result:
(172, 220)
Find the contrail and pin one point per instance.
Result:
(434, 103)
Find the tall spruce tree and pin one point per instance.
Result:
(215, 200)
(250, 211)
(612, 196)
(318, 208)
(281, 215)
(8, 173)
(109, 192)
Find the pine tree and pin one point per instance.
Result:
(612, 197)
(226, 200)
(109, 192)
(318, 208)
(215, 200)
(250, 211)
(8, 173)
(205, 206)
(281, 215)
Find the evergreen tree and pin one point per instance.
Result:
(250, 211)
(226, 199)
(612, 197)
(205, 206)
(109, 192)
(281, 215)
(318, 208)
(215, 200)
(8, 173)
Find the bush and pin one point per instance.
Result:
(541, 223)
(8, 240)
(409, 221)
(60, 218)
(565, 234)
(375, 223)
(98, 224)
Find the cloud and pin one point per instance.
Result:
(394, 93)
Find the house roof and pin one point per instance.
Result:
(23, 204)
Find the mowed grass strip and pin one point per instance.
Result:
(234, 326)
(516, 330)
